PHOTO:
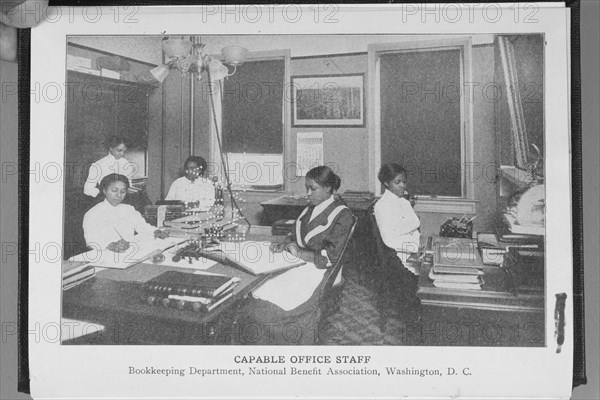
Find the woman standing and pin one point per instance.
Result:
(113, 163)
(320, 233)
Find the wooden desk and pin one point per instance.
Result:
(492, 316)
(114, 299)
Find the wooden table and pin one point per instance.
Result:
(493, 316)
(114, 298)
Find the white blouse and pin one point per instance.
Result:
(105, 166)
(398, 225)
(104, 224)
(201, 189)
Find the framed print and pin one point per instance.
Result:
(328, 100)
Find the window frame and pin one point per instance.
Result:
(215, 156)
(465, 204)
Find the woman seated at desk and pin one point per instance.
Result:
(192, 187)
(399, 226)
(112, 225)
(319, 236)
(113, 163)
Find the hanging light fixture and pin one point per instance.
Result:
(189, 57)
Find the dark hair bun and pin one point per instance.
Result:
(325, 177)
(336, 182)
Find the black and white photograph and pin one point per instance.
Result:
(159, 192)
(182, 243)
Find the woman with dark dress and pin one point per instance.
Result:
(284, 310)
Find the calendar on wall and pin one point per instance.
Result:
(309, 151)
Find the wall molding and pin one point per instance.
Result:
(446, 206)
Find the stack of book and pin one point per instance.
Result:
(185, 291)
(456, 278)
(457, 264)
(76, 273)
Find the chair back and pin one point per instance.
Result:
(383, 251)
(332, 273)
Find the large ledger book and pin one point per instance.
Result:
(254, 257)
(186, 284)
(188, 303)
(457, 253)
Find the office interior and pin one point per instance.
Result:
(463, 156)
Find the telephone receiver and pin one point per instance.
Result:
(410, 197)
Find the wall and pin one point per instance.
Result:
(309, 45)
(347, 148)
(344, 148)
(143, 48)
(484, 144)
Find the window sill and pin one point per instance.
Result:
(260, 195)
(446, 206)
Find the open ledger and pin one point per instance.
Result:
(142, 249)
(449, 92)
(254, 257)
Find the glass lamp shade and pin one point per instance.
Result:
(160, 72)
(177, 47)
(234, 55)
(217, 70)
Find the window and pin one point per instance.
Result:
(420, 119)
(254, 121)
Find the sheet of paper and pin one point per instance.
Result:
(201, 264)
(139, 250)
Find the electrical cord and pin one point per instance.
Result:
(224, 160)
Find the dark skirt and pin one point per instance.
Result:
(261, 322)
(399, 287)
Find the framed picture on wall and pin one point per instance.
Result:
(328, 100)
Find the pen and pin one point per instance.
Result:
(121, 236)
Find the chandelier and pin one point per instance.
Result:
(188, 56)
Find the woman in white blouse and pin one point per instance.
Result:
(193, 187)
(111, 224)
(113, 163)
(399, 228)
(396, 219)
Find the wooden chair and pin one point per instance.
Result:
(330, 294)
(389, 274)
